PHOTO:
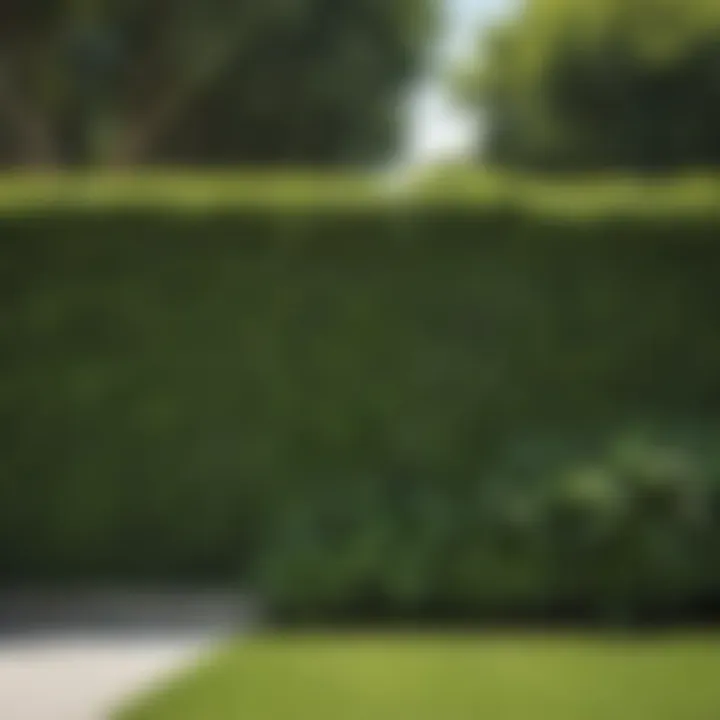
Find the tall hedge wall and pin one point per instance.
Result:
(328, 386)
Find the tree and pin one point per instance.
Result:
(601, 84)
(206, 81)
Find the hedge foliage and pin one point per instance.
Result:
(365, 401)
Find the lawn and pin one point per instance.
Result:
(468, 677)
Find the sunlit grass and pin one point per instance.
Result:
(447, 678)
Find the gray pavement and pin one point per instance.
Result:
(80, 658)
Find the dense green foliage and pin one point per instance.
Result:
(429, 677)
(282, 82)
(498, 402)
(602, 84)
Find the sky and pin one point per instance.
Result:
(438, 128)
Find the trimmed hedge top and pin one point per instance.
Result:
(579, 197)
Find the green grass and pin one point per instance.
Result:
(447, 678)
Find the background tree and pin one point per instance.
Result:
(601, 84)
(206, 81)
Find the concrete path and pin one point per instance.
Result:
(56, 666)
(85, 677)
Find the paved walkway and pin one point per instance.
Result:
(74, 676)
(70, 659)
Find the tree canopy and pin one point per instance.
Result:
(206, 81)
(601, 84)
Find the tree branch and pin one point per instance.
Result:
(33, 134)
(223, 43)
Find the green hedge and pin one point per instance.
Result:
(328, 383)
